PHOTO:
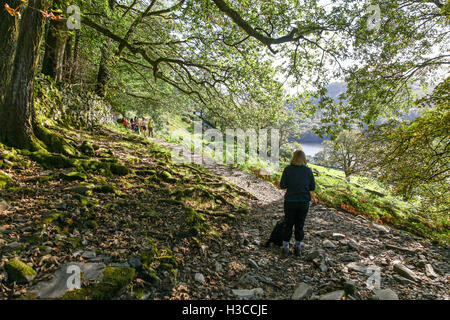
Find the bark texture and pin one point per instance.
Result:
(17, 109)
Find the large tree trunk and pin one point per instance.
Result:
(17, 110)
(55, 44)
(8, 38)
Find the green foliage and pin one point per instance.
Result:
(413, 155)
(393, 64)
(346, 151)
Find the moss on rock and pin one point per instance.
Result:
(157, 268)
(49, 160)
(119, 169)
(196, 221)
(4, 180)
(107, 188)
(10, 159)
(74, 176)
(53, 142)
(19, 271)
(87, 149)
(114, 280)
(83, 189)
(166, 176)
(41, 179)
(146, 172)
(23, 191)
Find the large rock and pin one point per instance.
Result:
(349, 287)
(248, 294)
(380, 228)
(249, 279)
(328, 244)
(348, 257)
(405, 272)
(357, 266)
(218, 266)
(13, 246)
(335, 295)
(430, 271)
(302, 291)
(88, 255)
(352, 244)
(135, 262)
(384, 294)
(60, 283)
(314, 255)
(87, 148)
(19, 271)
(323, 266)
(199, 277)
(4, 206)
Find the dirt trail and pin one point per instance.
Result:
(340, 251)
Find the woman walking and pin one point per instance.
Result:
(298, 179)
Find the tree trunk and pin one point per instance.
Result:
(106, 61)
(55, 43)
(104, 70)
(68, 59)
(76, 51)
(8, 38)
(16, 128)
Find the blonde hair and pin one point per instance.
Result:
(298, 158)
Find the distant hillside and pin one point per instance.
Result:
(334, 90)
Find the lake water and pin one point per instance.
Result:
(311, 149)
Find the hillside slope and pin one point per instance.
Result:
(161, 230)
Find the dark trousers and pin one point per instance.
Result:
(295, 215)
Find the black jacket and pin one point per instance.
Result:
(299, 181)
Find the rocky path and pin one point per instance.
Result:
(344, 256)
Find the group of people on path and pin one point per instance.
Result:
(141, 126)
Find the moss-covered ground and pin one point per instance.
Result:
(121, 196)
